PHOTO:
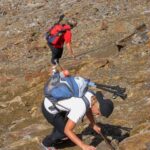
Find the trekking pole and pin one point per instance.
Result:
(106, 141)
(116, 91)
(61, 17)
(117, 88)
(58, 64)
(123, 96)
(60, 67)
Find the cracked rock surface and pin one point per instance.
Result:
(25, 64)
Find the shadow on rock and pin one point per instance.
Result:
(111, 132)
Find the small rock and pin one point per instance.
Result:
(115, 143)
(104, 25)
(140, 38)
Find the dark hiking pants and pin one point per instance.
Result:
(58, 121)
(56, 54)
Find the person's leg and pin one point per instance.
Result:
(58, 121)
(56, 55)
(59, 124)
(59, 54)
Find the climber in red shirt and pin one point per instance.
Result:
(62, 34)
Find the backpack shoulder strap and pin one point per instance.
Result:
(87, 103)
(73, 85)
(55, 104)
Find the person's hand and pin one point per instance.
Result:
(88, 147)
(96, 128)
(71, 55)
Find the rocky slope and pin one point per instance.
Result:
(25, 63)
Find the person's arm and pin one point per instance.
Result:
(69, 47)
(69, 132)
(68, 37)
(93, 125)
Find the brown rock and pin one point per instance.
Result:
(137, 142)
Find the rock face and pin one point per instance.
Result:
(25, 63)
(139, 141)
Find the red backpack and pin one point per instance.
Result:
(54, 34)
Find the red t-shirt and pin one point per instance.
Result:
(65, 37)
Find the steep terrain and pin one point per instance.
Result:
(25, 64)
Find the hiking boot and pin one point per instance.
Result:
(47, 148)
